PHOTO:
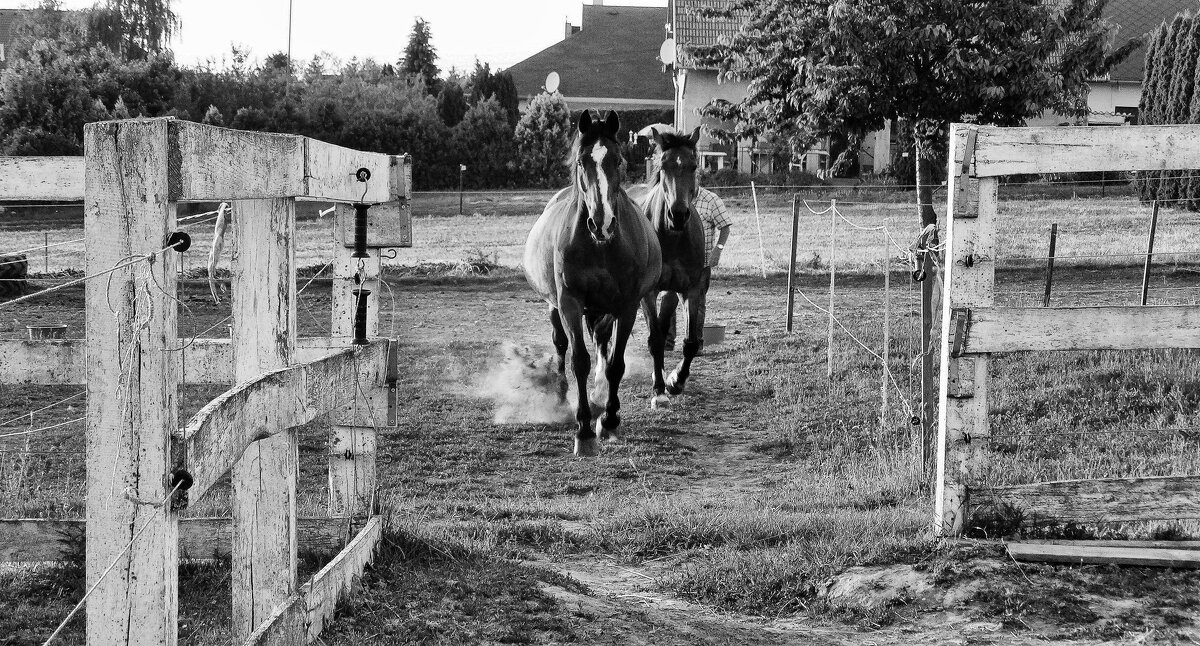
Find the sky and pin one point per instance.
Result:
(499, 32)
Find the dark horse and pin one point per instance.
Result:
(667, 204)
(593, 257)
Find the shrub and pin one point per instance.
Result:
(543, 141)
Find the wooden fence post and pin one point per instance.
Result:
(132, 407)
(1149, 253)
(963, 435)
(791, 299)
(264, 479)
(1050, 264)
(832, 285)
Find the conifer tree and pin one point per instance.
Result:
(420, 57)
(544, 139)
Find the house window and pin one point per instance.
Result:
(1130, 113)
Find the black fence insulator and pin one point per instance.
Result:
(181, 481)
(360, 316)
(362, 174)
(179, 241)
(360, 231)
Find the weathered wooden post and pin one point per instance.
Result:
(963, 434)
(1149, 254)
(264, 479)
(1050, 264)
(352, 441)
(132, 380)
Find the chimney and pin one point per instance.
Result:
(597, 3)
(568, 29)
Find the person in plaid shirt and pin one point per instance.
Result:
(715, 216)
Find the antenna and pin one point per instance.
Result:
(666, 53)
(552, 82)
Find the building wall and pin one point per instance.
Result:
(694, 89)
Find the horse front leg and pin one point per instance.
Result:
(613, 372)
(559, 336)
(695, 339)
(657, 344)
(586, 444)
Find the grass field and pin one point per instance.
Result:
(736, 515)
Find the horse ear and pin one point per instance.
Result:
(657, 136)
(612, 124)
(585, 121)
(695, 138)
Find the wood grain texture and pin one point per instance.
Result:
(1166, 545)
(220, 432)
(314, 606)
(1072, 149)
(1096, 501)
(962, 442)
(202, 361)
(352, 438)
(1081, 554)
(214, 164)
(1014, 329)
(132, 382)
(329, 172)
(41, 178)
(34, 540)
(264, 472)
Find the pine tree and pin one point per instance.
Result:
(420, 57)
(452, 103)
(1160, 88)
(1148, 106)
(544, 139)
(1179, 94)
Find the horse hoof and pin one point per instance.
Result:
(660, 402)
(588, 448)
(674, 389)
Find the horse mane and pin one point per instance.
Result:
(667, 141)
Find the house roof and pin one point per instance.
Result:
(1132, 18)
(613, 56)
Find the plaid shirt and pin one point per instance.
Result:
(712, 210)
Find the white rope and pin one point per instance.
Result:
(44, 408)
(110, 567)
(121, 265)
(44, 428)
(43, 246)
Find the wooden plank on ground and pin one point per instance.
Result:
(132, 377)
(1165, 545)
(1013, 329)
(27, 540)
(1080, 554)
(1072, 149)
(1096, 501)
(57, 179)
(318, 599)
(221, 431)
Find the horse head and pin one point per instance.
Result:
(597, 172)
(677, 162)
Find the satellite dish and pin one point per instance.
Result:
(666, 53)
(552, 82)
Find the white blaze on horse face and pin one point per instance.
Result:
(605, 223)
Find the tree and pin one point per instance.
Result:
(485, 142)
(420, 57)
(485, 85)
(134, 28)
(213, 116)
(819, 67)
(452, 103)
(544, 139)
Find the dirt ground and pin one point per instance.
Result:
(449, 463)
